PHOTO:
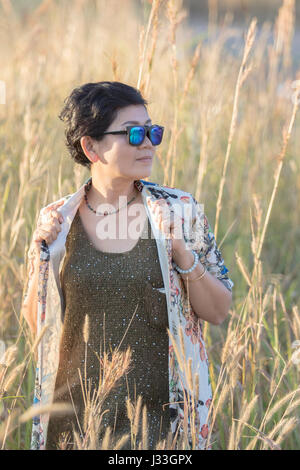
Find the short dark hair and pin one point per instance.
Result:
(90, 109)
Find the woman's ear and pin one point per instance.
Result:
(88, 147)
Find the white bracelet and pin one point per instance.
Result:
(185, 271)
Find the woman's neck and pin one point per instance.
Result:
(108, 191)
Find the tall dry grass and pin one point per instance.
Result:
(231, 139)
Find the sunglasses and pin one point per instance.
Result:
(137, 134)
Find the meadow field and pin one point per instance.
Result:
(231, 139)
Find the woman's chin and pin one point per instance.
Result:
(144, 174)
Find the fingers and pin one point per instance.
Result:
(51, 210)
(43, 235)
(167, 220)
(54, 206)
(49, 229)
(51, 226)
(50, 217)
(48, 224)
(56, 215)
(171, 223)
(56, 221)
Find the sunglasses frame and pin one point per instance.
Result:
(147, 133)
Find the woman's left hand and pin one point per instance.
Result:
(170, 224)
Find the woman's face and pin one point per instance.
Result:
(116, 157)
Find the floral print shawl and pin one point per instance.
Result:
(185, 327)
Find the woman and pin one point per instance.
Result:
(133, 256)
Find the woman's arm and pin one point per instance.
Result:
(209, 298)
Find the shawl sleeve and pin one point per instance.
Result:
(201, 239)
(30, 258)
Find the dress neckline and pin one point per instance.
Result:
(113, 253)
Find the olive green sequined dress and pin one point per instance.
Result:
(108, 287)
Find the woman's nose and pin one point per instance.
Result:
(147, 142)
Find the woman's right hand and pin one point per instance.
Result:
(48, 228)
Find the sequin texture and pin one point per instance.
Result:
(109, 287)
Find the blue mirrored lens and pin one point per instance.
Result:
(156, 135)
(136, 135)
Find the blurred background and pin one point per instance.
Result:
(200, 12)
(221, 76)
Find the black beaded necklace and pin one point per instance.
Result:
(87, 187)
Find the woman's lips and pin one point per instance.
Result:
(146, 159)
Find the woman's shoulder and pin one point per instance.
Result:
(169, 191)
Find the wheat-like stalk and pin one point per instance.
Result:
(145, 428)
(243, 73)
